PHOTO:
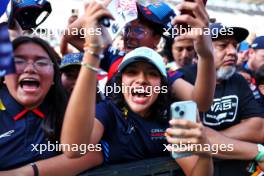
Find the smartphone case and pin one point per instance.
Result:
(186, 110)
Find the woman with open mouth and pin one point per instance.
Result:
(131, 125)
(32, 105)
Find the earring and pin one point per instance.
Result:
(125, 112)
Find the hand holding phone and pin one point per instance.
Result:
(183, 110)
(188, 12)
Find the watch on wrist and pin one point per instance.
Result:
(260, 154)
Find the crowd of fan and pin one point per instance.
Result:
(63, 100)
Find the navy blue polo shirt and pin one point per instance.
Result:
(17, 136)
(129, 137)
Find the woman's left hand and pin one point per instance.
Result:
(187, 133)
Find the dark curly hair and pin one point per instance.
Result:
(158, 109)
(56, 96)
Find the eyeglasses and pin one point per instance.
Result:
(39, 65)
(138, 32)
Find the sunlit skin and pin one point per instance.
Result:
(30, 96)
(150, 39)
(183, 52)
(136, 75)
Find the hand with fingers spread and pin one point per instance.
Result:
(198, 20)
(186, 133)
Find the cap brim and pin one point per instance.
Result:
(134, 59)
(240, 34)
(67, 65)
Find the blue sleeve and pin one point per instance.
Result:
(110, 56)
(173, 75)
(103, 113)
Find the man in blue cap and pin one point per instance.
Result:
(254, 63)
(257, 59)
(235, 116)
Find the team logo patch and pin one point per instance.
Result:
(157, 134)
(222, 110)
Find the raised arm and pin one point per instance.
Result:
(80, 114)
(203, 91)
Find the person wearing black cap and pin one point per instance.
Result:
(235, 116)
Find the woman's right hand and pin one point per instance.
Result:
(88, 27)
(94, 32)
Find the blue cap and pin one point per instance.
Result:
(144, 54)
(219, 31)
(258, 43)
(71, 59)
(158, 13)
(243, 46)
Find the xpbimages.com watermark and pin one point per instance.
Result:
(213, 148)
(181, 30)
(147, 90)
(50, 147)
(82, 32)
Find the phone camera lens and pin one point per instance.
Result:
(177, 108)
(181, 113)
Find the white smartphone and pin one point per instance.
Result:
(186, 110)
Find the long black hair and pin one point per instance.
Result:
(158, 110)
(56, 98)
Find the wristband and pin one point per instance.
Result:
(91, 52)
(35, 169)
(88, 66)
(260, 154)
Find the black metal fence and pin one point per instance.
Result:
(162, 166)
